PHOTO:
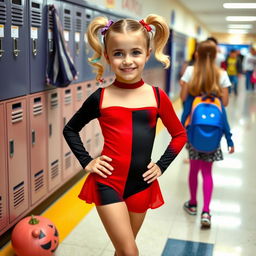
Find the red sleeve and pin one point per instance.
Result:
(174, 127)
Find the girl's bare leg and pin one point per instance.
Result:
(136, 221)
(116, 220)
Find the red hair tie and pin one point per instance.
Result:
(145, 25)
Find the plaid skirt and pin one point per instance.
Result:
(207, 157)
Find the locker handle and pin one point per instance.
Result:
(1, 47)
(34, 47)
(77, 48)
(11, 144)
(15, 47)
(50, 130)
(33, 137)
(50, 45)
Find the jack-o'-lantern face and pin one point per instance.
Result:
(49, 240)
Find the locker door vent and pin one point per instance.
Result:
(17, 16)
(39, 180)
(36, 18)
(50, 20)
(17, 116)
(54, 169)
(54, 102)
(67, 160)
(78, 25)
(18, 194)
(68, 99)
(67, 20)
(88, 18)
(2, 14)
(37, 109)
(1, 209)
(79, 93)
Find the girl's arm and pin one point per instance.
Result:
(227, 132)
(183, 90)
(88, 111)
(174, 127)
(225, 96)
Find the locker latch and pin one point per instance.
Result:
(15, 47)
(34, 47)
(1, 47)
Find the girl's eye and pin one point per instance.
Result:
(118, 54)
(136, 52)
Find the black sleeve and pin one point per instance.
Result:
(175, 129)
(88, 111)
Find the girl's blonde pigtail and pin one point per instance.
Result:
(94, 41)
(160, 38)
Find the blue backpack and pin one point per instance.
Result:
(205, 124)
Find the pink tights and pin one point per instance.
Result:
(206, 168)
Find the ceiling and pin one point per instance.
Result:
(212, 13)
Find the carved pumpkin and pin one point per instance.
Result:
(35, 236)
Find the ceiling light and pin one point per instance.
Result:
(244, 26)
(237, 31)
(241, 18)
(239, 5)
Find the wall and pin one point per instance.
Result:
(184, 22)
(235, 39)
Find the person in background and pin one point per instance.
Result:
(123, 180)
(234, 69)
(249, 64)
(204, 78)
(220, 56)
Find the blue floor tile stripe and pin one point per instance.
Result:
(175, 247)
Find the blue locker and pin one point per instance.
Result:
(37, 46)
(49, 54)
(37, 49)
(87, 73)
(67, 12)
(14, 62)
(78, 27)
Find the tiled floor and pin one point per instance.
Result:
(233, 231)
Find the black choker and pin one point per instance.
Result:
(128, 86)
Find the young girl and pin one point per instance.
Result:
(123, 180)
(204, 78)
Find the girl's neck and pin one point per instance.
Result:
(124, 85)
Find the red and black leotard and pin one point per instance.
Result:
(128, 140)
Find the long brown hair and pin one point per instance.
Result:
(160, 37)
(206, 74)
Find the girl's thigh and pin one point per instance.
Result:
(116, 220)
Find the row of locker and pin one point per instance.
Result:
(26, 42)
(35, 160)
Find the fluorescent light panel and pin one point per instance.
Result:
(243, 26)
(237, 31)
(241, 18)
(239, 5)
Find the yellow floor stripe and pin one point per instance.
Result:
(68, 210)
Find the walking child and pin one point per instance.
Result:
(122, 181)
(206, 79)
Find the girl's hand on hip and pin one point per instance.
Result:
(152, 173)
(100, 166)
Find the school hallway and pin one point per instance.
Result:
(169, 230)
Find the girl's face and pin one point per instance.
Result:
(127, 54)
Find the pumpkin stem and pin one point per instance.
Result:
(33, 220)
